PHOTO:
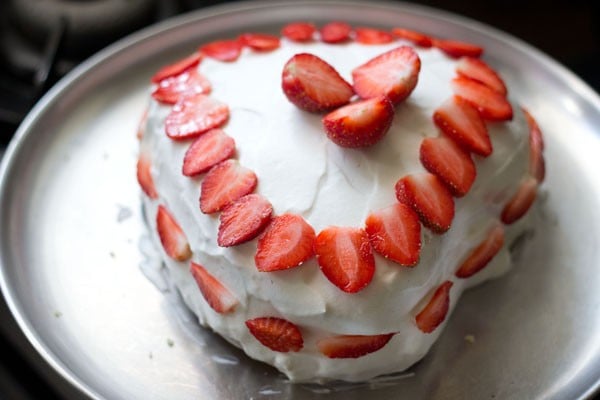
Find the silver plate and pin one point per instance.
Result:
(72, 223)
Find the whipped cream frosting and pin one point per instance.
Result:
(301, 171)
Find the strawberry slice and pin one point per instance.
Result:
(373, 36)
(453, 165)
(243, 220)
(286, 243)
(335, 32)
(427, 195)
(195, 114)
(345, 257)
(522, 200)
(434, 313)
(395, 233)
(223, 184)
(415, 37)
(481, 255)
(456, 48)
(458, 119)
(299, 31)
(313, 85)
(534, 128)
(352, 346)
(206, 151)
(177, 68)
(260, 41)
(223, 50)
(537, 164)
(171, 236)
(218, 297)
(142, 125)
(144, 176)
(491, 105)
(360, 124)
(277, 334)
(170, 89)
(476, 69)
(393, 74)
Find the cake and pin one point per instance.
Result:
(322, 198)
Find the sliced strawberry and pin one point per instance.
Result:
(345, 257)
(534, 128)
(171, 236)
(313, 85)
(491, 105)
(417, 38)
(286, 243)
(177, 68)
(218, 297)
(170, 89)
(277, 334)
(144, 176)
(260, 41)
(243, 220)
(195, 114)
(206, 151)
(481, 255)
(458, 119)
(373, 36)
(434, 313)
(456, 49)
(393, 74)
(335, 32)
(537, 164)
(453, 165)
(142, 125)
(360, 124)
(476, 69)
(522, 200)
(395, 233)
(223, 184)
(352, 346)
(299, 31)
(427, 195)
(223, 50)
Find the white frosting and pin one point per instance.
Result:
(301, 171)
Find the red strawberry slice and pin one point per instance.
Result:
(393, 74)
(417, 38)
(177, 68)
(335, 32)
(522, 200)
(286, 243)
(537, 164)
(481, 255)
(434, 313)
(299, 31)
(277, 334)
(171, 236)
(144, 176)
(218, 297)
(360, 124)
(195, 114)
(313, 85)
(534, 128)
(373, 36)
(476, 69)
(170, 89)
(491, 105)
(260, 41)
(456, 48)
(453, 165)
(345, 257)
(243, 220)
(395, 233)
(223, 50)
(223, 184)
(458, 119)
(427, 195)
(352, 346)
(206, 151)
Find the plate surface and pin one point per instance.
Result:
(72, 236)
